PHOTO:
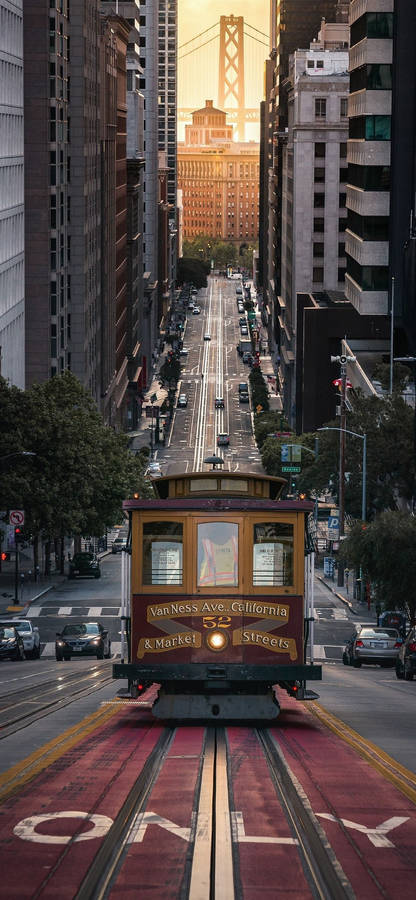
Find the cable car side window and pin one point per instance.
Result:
(272, 554)
(217, 554)
(162, 553)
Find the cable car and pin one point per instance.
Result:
(215, 600)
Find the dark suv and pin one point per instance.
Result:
(83, 639)
(406, 659)
(84, 564)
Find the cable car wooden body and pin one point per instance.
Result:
(214, 602)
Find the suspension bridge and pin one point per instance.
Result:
(224, 63)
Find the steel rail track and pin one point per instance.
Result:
(323, 871)
(211, 871)
(106, 864)
(17, 723)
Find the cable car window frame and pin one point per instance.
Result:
(281, 518)
(153, 516)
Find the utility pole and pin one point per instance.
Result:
(342, 360)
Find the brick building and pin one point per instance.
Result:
(219, 179)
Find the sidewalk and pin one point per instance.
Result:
(345, 594)
(29, 590)
(140, 437)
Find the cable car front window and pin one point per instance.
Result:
(218, 554)
(272, 554)
(162, 553)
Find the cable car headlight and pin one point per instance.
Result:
(216, 640)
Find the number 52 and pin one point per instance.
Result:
(216, 621)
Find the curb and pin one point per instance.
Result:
(340, 596)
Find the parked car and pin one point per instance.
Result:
(11, 644)
(406, 657)
(242, 320)
(247, 358)
(371, 644)
(154, 469)
(243, 387)
(29, 634)
(191, 304)
(118, 545)
(84, 564)
(243, 397)
(182, 401)
(82, 639)
(223, 439)
(219, 403)
(393, 619)
(183, 352)
(243, 330)
(207, 336)
(240, 308)
(196, 310)
(194, 290)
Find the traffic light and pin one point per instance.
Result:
(18, 534)
(293, 485)
(5, 556)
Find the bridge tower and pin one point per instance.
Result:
(231, 92)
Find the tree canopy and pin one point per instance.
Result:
(192, 270)
(386, 551)
(388, 424)
(81, 470)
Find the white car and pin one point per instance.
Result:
(29, 634)
(154, 469)
(207, 337)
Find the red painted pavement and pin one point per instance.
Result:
(155, 867)
(338, 782)
(93, 777)
(266, 869)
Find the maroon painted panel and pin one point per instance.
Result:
(260, 630)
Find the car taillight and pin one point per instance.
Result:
(398, 644)
(359, 644)
(412, 647)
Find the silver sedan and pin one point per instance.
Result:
(372, 644)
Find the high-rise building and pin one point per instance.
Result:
(293, 25)
(48, 211)
(219, 179)
(167, 91)
(314, 168)
(369, 155)
(12, 314)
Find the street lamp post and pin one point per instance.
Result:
(363, 437)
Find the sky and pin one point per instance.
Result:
(198, 72)
(195, 15)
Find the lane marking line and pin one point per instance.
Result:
(403, 779)
(19, 774)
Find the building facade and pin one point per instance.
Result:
(314, 171)
(369, 155)
(12, 313)
(219, 179)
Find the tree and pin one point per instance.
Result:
(81, 471)
(388, 423)
(194, 271)
(385, 549)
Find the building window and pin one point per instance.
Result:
(320, 64)
(343, 150)
(370, 278)
(320, 108)
(341, 274)
(343, 107)
(369, 228)
(342, 199)
(318, 274)
(319, 225)
(318, 249)
(311, 64)
(369, 178)
(319, 175)
(373, 77)
(371, 128)
(342, 224)
(319, 201)
(372, 25)
(320, 150)
(341, 249)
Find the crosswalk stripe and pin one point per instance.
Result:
(95, 611)
(33, 611)
(64, 610)
(49, 649)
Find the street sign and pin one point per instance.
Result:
(17, 517)
(295, 469)
(333, 528)
(284, 453)
(259, 408)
